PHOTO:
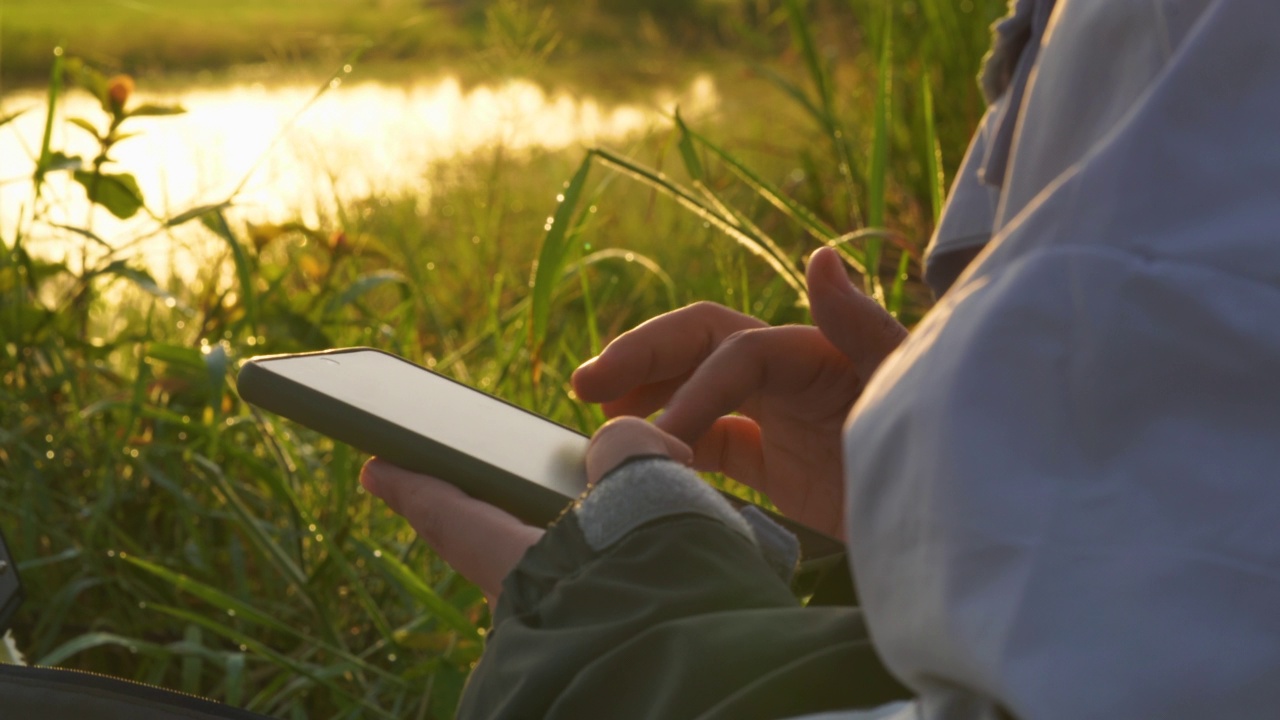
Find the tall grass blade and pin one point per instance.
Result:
(253, 528)
(192, 663)
(692, 163)
(628, 256)
(330, 83)
(413, 583)
(247, 613)
(51, 107)
(937, 178)
(89, 641)
(320, 675)
(877, 178)
(555, 252)
(826, 113)
(216, 221)
(689, 201)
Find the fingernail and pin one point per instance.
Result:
(837, 274)
(369, 476)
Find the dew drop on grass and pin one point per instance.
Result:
(391, 657)
(377, 553)
(231, 612)
(49, 454)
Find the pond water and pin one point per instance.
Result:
(291, 156)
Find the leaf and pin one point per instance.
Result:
(58, 161)
(151, 110)
(6, 119)
(86, 126)
(119, 137)
(118, 193)
(551, 260)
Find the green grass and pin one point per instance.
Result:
(171, 534)
(153, 36)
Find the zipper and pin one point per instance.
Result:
(128, 688)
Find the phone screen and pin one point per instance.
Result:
(433, 406)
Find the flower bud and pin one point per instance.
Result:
(119, 88)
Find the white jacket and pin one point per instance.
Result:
(1064, 490)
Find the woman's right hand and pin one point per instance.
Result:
(763, 405)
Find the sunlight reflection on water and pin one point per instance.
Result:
(360, 140)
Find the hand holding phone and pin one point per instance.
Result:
(415, 419)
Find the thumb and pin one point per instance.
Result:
(865, 332)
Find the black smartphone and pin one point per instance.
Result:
(420, 420)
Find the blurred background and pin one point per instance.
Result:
(493, 189)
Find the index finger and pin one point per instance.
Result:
(747, 366)
(637, 370)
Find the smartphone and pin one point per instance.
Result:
(420, 420)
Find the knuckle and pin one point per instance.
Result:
(749, 340)
(706, 307)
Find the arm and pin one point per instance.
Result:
(654, 598)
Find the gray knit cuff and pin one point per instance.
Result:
(643, 490)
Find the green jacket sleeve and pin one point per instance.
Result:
(679, 614)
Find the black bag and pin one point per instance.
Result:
(55, 694)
